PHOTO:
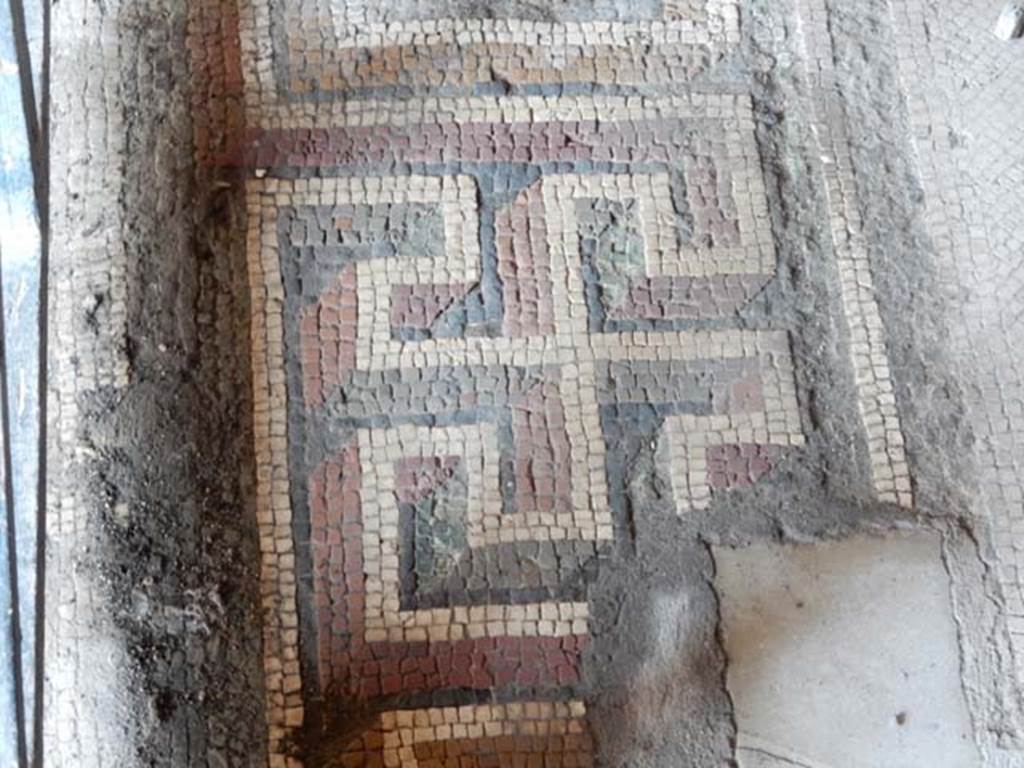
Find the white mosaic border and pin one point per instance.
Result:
(553, 35)
(876, 397)
(283, 676)
(721, 28)
(403, 729)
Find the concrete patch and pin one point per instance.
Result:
(843, 654)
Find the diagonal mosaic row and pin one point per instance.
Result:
(509, 266)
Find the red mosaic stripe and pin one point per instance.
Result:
(709, 192)
(741, 465)
(542, 453)
(523, 265)
(383, 669)
(570, 142)
(327, 338)
(349, 665)
(416, 477)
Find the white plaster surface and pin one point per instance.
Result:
(844, 654)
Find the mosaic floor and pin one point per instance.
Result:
(981, 100)
(496, 252)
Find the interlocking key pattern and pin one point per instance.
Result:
(502, 247)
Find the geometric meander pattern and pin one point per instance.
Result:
(496, 251)
(492, 283)
(466, 356)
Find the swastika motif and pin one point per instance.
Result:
(467, 343)
(497, 252)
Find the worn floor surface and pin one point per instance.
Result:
(632, 383)
(546, 298)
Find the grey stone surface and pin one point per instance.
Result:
(844, 654)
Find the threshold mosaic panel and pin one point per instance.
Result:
(483, 266)
(465, 348)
